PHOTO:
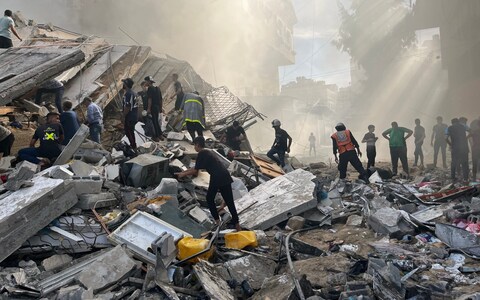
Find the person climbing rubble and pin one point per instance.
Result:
(220, 180)
(345, 144)
(130, 111)
(193, 114)
(280, 145)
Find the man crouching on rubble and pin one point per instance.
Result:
(220, 180)
(344, 142)
(50, 136)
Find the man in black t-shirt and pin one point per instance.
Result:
(457, 140)
(234, 135)
(50, 136)
(154, 106)
(220, 180)
(279, 146)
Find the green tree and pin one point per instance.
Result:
(374, 33)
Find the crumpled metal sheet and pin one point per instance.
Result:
(458, 238)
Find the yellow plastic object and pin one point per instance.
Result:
(189, 246)
(240, 239)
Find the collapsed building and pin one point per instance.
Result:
(105, 223)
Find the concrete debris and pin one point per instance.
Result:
(56, 261)
(109, 269)
(391, 222)
(120, 211)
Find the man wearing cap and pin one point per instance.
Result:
(345, 144)
(130, 111)
(193, 114)
(279, 146)
(154, 106)
(7, 25)
(50, 136)
(234, 135)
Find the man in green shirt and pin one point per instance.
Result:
(398, 146)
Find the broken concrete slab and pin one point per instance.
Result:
(82, 169)
(56, 261)
(21, 176)
(276, 287)
(90, 201)
(86, 186)
(277, 200)
(390, 222)
(145, 170)
(387, 283)
(24, 212)
(73, 145)
(112, 172)
(212, 282)
(251, 268)
(175, 136)
(74, 292)
(107, 270)
(60, 172)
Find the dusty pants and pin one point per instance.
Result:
(399, 153)
(371, 154)
(227, 195)
(352, 158)
(193, 127)
(418, 153)
(437, 146)
(459, 160)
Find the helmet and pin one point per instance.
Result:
(276, 123)
(340, 127)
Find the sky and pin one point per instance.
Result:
(316, 56)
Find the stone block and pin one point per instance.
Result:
(59, 172)
(92, 156)
(56, 261)
(99, 200)
(109, 269)
(251, 268)
(82, 169)
(354, 220)
(112, 172)
(86, 186)
(198, 214)
(389, 221)
(21, 176)
(74, 292)
(295, 223)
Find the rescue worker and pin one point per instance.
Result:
(220, 180)
(279, 146)
(345, 144)
(193, 114)
(234, 135)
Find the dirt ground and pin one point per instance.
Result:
(22, 138)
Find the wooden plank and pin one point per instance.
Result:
(268, 168)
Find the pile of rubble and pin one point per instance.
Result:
(114, 225)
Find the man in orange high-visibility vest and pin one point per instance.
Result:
(345, 144)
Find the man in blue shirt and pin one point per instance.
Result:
(6, 25)
(130, 111)
(69, 121)
(94, 119)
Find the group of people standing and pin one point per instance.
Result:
(457, 136)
